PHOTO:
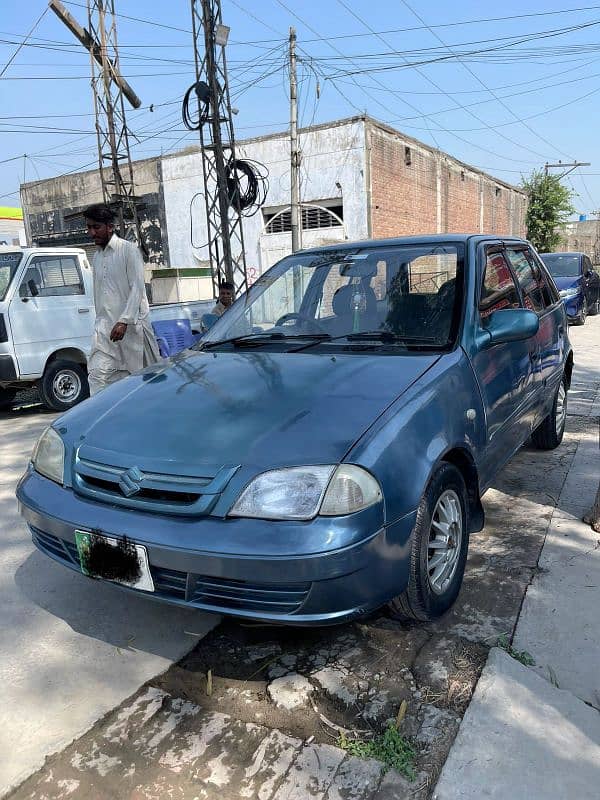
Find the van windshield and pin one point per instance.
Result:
(8, 266)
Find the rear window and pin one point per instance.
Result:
(8, 266)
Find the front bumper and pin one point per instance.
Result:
(324, 586)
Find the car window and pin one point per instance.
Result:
(529, 283)
(549, 292)
(52, 276)
(498, 289)
(587, 264)
(412, 291)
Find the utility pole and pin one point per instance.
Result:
(296, 213)
(221, 186)
(109, 89)
(571, 166)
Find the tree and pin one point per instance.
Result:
(549, 207)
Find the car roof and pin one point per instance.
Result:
(42, 250)
(437, 238)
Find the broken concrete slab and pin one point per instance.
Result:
(522, 737)
(291, 691)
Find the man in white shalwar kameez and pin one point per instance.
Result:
(124, 341)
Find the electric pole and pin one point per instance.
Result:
(109, 89)
(296, 214)
(219, 169)
(571, 166)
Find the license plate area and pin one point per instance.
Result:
(114, 559)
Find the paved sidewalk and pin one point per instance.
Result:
(527, 734)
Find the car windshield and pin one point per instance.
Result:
(562, 265)
(405, 295)
(8, 266)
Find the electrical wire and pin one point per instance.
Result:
(23, 43)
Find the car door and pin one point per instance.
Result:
(547, 351)
(51, 310)
(591, 283)
(504, 371)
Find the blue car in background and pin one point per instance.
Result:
(323, 450)
(577, 282)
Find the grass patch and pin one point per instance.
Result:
(389, 747)
(519, 655)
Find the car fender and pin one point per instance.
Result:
(440, 414)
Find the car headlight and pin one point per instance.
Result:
(48, 456)
(303, 492)
(564, 293)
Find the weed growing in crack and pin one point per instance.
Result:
(391, 748)
(519, 655)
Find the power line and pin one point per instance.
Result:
(22, 44)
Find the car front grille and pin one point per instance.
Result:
(201, 591)
(145, 490)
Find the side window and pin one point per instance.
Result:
(533, 297)
(545, 283)
(52, 276)
(498, 289)
(587, 264)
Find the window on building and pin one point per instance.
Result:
(407, 156)
(326, 214)
(55, 275)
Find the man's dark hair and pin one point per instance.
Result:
(227, 285)
(100, 212)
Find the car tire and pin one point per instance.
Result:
(63, 385)
(595, 307)
(7, 398)
(550, 433)
(434, 582)
(583, 313)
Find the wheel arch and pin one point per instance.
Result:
(67, 354)
(462, 459)
(569, 369)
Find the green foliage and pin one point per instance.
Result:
(390, 747)
(549, 207)
(520, 655)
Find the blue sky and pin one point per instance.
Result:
(504, 94)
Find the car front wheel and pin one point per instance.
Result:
(440, 541)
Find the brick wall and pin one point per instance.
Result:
(417, 190)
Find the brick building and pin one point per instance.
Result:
(359, 179)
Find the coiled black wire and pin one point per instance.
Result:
(247, 200)
(202, 92)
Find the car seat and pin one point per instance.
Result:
(343, 308)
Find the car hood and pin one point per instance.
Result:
(259, 409)
(567, 283)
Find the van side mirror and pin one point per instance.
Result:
(33, 289)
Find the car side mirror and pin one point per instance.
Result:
(508, 325)
(207, 321)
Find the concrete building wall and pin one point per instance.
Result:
(582, 237)
(46, 203)
(415, 189)
(333, 168)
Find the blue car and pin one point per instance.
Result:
(577, 282)
(323, 450)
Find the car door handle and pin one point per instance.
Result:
(83, 310)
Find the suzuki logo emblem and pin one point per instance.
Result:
(130, 481)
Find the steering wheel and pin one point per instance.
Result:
(304, 321)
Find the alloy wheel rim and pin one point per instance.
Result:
(445, 541)
(66, 385)
(561, 409)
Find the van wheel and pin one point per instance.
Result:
(440, 541)
(550, 433)
(63, 385)
(7, 397)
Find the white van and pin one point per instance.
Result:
(47, 322)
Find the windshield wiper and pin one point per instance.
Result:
(387, 337)
(252, 339)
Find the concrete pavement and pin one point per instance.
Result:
(68, 652)
(538, 735)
